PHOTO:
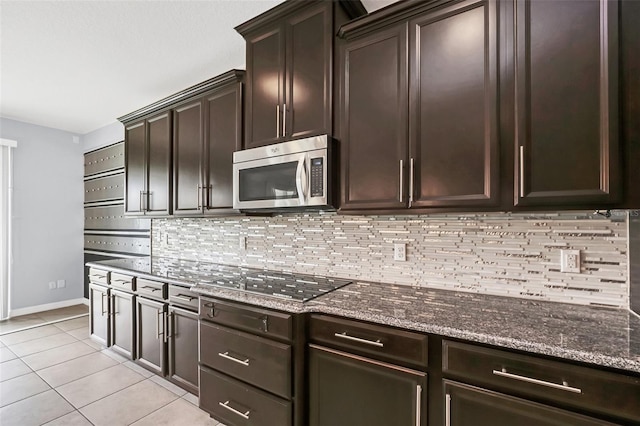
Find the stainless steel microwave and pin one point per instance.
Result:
(287, 175)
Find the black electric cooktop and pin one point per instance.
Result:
(292, 286)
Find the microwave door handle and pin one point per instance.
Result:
(301, 179)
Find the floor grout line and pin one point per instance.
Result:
(29, 327)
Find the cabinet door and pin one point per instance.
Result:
(348, 390)
(157, 200)
(471, 406)
(122, 323)
(223, 136)
(374, 121)
(183, 348)
(265, 86)
(566, 102)
(99, 314)
(150, 334)
(134, 148)
(187, 155)
(307, 109)
(454, 105)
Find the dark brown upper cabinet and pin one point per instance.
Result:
(374, 120)
(179, 150)
(453, 107)
(207, 131)
(419, 108)
(290, 54)
(148, 165)
(566, 110)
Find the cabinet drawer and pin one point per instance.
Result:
(557, 382)
(104, 159)
(104, 189)
(235, 403)
(122, 282)
(374, 340)
(254, 320)
(256, 360)
(98, 276)
(182, 296)
(149, 288)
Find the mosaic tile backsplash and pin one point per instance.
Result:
(505, 254)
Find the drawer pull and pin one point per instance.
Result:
(226, 405)
(151, 288)
(226, 355)
(344, 335)
(184, 297)
(121, 281)
(564, 386)
(97, 276)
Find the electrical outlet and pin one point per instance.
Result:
(61, 284)
(570, 261)
(242, 243)
(52, 285)
(400, 252)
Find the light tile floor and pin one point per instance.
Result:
(55, 375)
(34, 320)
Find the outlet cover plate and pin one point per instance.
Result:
(570, 261)
(400, 252)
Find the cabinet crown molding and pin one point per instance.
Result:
(221, 80)
(389, 15)
(353, 8)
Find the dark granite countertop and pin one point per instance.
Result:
(600, 336)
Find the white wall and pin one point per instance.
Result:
(103, 136)
(47, 214)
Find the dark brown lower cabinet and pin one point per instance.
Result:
(238, 404)
(151, 334)
(467, 405)
(99, 314)
(182, 348)
(122, 320)
(350, 390)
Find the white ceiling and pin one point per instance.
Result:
(78, 65)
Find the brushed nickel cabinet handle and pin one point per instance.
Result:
(411, 171)
(184, 297)
(160, 314)
(141, 209)
(564, 386)
(170, 325)
(401, 179)
(199, 193)
(278, 121)
(150, 288)
(344, 335)
(521, 171)
(447, 410)
(284, 120)
(244, 415)
(418, 405)
(226, 355)
(102, 295)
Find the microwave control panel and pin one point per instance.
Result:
(317, 178)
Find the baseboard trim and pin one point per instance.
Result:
(47, 307)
